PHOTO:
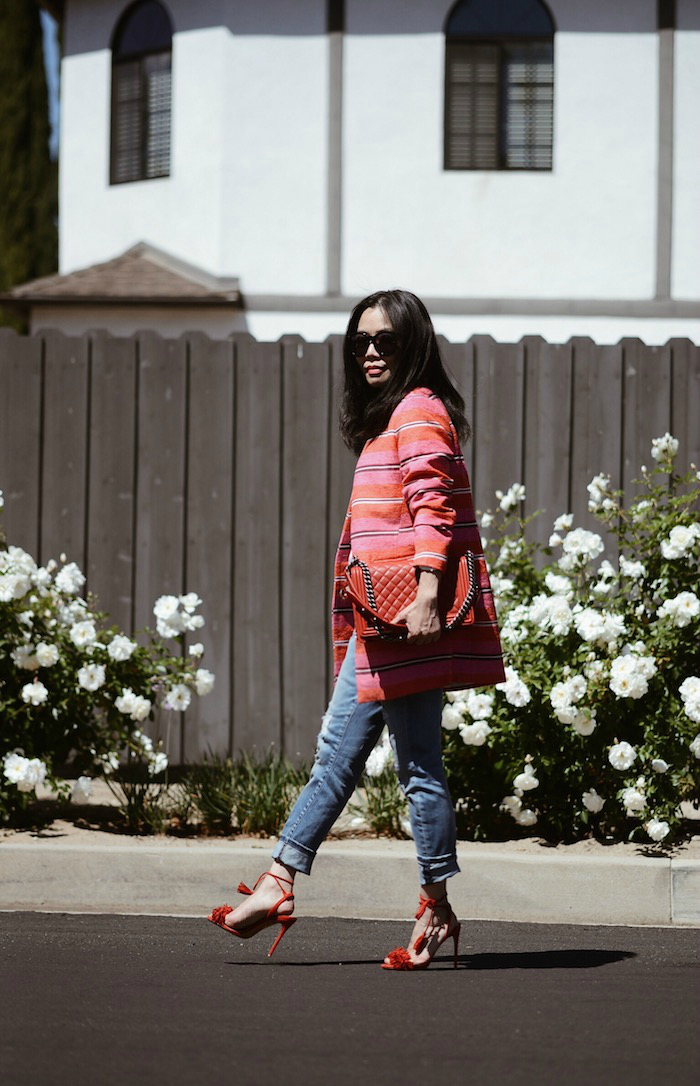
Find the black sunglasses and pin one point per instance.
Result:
(385, 344)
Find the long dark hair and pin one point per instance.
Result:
(364, 411)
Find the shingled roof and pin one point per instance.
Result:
(143, 275)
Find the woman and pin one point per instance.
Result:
(411, 501)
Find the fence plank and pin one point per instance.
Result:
(160, 495)
(498, 414)
(209, 534)
(458, 359)
(341, 467)
(596, 439)
(110, 549)
(685, 406)
(64, 467)
(257, 697)
(303, 516)
(20, 438)
(547, 430)
(647, 406)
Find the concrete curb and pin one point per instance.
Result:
(372, 879)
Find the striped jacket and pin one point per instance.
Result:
(411, 499)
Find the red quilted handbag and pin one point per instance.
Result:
(381, 590)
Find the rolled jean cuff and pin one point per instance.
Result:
(437, 869)
(294, 855)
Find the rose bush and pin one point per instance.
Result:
(74, 690)
(596, 729)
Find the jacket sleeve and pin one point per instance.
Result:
(426, 459)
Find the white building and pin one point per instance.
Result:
(306, 151)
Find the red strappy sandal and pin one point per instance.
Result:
(400, 957)
(219, 914)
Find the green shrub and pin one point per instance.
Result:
(595, 730)
(75, 691)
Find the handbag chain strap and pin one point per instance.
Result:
(372, 599)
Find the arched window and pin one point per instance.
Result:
(499, 84)
(141, 61)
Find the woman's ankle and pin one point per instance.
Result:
(281, 871)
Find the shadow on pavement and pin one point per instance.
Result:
(541, 959)
(545, 959)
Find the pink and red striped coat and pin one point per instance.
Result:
(411, 499)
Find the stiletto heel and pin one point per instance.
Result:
(400, 957)
(285, 920)
(455, 935)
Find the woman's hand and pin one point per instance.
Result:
(421, 616)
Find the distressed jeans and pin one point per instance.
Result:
(349, 733)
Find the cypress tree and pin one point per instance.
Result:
(28, 177)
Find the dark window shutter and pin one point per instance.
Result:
(141, 94)
(472, 107)
(528, 94)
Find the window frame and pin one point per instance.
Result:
(500, 43)
(139, 57)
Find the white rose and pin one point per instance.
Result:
(25, 657)
(564, 522)
(47, 655)
(34, 693)
(82, 790)
(695, 746)
(479, 706)
(158, 763)
(659, 765)
(592, 801)
(526, 780)
(452, 716)
(486, 520)
(91, 676)
(121, 648)
(197, 650)
(203, 681)
(26, 773)
(476, 734)
(634, 570)
(140, 709)
(557, 584)
(125, 701)
(622, 755)
(166, 607)
(657, 829)
(177, 698)
(525, 817)
(664, 448)
(634, 800)
(511, 804)
(83, 634)
(584, 721)
(69, 579)
(190, 601)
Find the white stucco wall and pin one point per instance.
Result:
(247, 195)
(181, 213)
(275, 160)
(587, 229)
(266, 325)
(169, 321)
(248, 178)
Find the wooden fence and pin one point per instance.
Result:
(163, 466)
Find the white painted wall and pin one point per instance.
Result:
(181, 213)
(274, 217)
(268, 325)
(169, 321)
(247, 195)
(587, 229)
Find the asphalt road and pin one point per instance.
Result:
(127, 999)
